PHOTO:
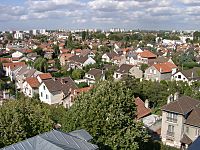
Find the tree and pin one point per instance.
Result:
(77, 74)
(83, 34)
(107, 112)
(41, 64)
(56, 50)
(39, 51)
(25, 118)
(143, 67)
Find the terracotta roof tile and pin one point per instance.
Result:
(142, 111)
(165, 67)
(147, 54)
(14, 64)
(33, 82)
(45, 76)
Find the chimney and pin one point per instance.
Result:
(176, 96)
(160, 69)
(146, 104)
(192, 75)
(170, 99)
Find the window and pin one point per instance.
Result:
(172, 117)
(170, 130)
(151, 71)
(154, 71)
(44, 87)
(41, 94)
(47, 97)
(179, 76)
(197, 133)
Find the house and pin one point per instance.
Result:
(159, 59)
(88, 53)
(143, 109)
(43, 76)
(56, 90)
(94, 75)
(56, 140)
(8, 66)
(161, 71)
(76, 51)
(16, 56)
(131, 58)
(64, 58)
(30, 86)
(180, 121)
(126, 69)
(145, 56)
(70, 100)
(19, 74)
(79, 62)
(189, 75)
(31, 56)
(107, 57)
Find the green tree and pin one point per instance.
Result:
(56, 50)
(77, 74)
(83, 34)
(24, 118)
(107, 112)
(143, 67)
(41, 64)
(39, 51)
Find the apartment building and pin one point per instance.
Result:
(180, 121)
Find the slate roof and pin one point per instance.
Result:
(195, 145)
(82, 134)
(78, 59)
(58, 85)
(182, 105)
(112, 54)
(158, 60)
(54, 140)
(142, 111)
(191, 73)
(186, 140)
(97, 73)
(124, 68)
(194, 117)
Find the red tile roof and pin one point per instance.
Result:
(147, 54)
(45, 76)
(8, 60)
(165, 67)
(14, 64)
(64, 51)
(85, 89)
(33, 82)
(142, 111)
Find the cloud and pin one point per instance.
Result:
(129, 13)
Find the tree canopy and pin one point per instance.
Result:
(107, 112)
(25, 118)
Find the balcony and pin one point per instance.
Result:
(174, 120)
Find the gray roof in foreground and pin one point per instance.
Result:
(55, 140)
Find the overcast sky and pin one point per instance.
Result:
(103, 14)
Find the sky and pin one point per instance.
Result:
(101, 14)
